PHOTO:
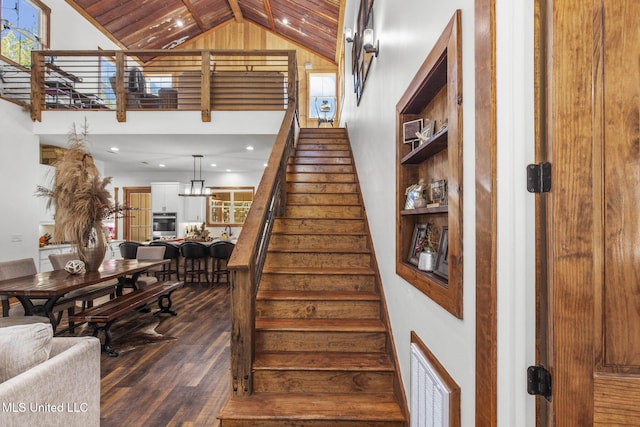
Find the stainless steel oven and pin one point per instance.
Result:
(164, 225)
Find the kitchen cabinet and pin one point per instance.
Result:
(164, 197)
(194, 209)
(433, 98)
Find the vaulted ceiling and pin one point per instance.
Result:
(166, 24)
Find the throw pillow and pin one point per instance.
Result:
(23, 347)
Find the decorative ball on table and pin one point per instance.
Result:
(74, 266)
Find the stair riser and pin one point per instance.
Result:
(302, 187)
(323, 226)
(320, 161)
(322, 381)
(336, 139)
(320, 341)
(323, 153)
(321, 177)
(337, 242)
(315, 147)
(320, 168)
(311, 211)
(317, 260)
(322, 199)
(318, 309)
(306, 282)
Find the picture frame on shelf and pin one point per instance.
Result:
(418, 241)
(409, 130)
(442, 261)
(438, 193)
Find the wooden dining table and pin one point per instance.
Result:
(50, 286)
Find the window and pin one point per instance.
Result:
(107, 80)
(155, 82)
(322, 95)
(228, 205)
(24, 25)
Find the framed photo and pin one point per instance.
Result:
(409, 130)
(439, 191)
(418, 240)
(442, 262)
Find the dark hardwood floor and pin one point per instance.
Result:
(179, 382)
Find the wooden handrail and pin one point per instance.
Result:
(205, 80)
(250, 252)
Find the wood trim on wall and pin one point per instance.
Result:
(486, 223)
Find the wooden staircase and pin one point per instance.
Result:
(323, 352)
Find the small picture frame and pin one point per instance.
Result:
(409, 130)
(439, 191)
(442, 262)
(418, 241)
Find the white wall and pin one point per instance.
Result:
(19, 216)
(406, 34)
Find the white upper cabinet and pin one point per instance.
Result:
(164, 197)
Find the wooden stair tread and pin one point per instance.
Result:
(317, 295)
(322, 361)
(320, 271)
(320, 233)
(314, 406)
(317, 325)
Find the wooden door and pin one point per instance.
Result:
(137, 222)
(591, 104)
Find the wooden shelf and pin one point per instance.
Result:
(422, 211)
(433, 145)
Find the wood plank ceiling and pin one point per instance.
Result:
(166, 24)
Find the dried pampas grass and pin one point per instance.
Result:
(79, 196)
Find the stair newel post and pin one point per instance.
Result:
(242, 330)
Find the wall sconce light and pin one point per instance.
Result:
(367, 42)
(348, 35)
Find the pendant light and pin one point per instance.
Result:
(197, 188)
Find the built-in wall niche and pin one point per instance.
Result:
(228, 205)
(429, 170)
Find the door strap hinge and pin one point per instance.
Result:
(539, 177)
(539, 381)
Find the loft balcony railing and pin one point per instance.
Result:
(152, 80)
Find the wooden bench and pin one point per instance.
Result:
(102, 317)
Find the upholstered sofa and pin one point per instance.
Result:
(61, 389)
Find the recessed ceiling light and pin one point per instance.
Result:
(265, 165)
(179, 22)
(285, 21)
(250, 147)
(228, 170)
(161, 165)
(213, 165)
(114, 149)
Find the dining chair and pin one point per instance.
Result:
(11, 270)
(149, 253)
(195, 255)
(171, 252)
(128, 250)
(220, 252)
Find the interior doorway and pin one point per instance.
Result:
(137, 222)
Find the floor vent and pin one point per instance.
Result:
(430, 399)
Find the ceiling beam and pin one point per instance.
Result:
(194, 15)
(267, 8)
(235, 8)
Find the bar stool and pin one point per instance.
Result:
(195, 254)
(220, 253)
(171, 252)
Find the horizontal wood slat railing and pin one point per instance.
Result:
(151, 80)
(251, 249)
